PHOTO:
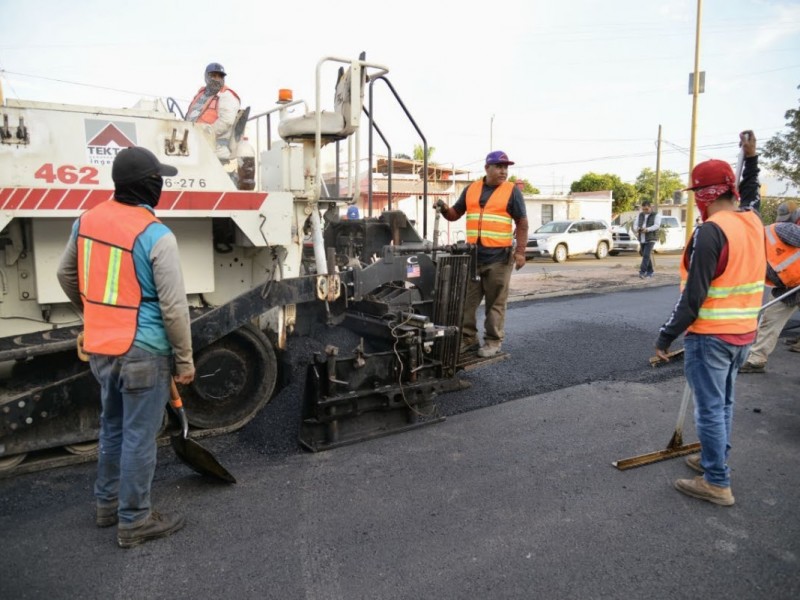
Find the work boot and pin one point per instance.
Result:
(106, 514)
(693, 461)
(749, 367)
(468, 346)
(791, 341)
(700, 488)
(488, 350)
(152, 527)
(795, 347)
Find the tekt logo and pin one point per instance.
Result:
(105, 138)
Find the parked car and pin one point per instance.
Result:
(560, 239)
(624, 240)
(674, 235)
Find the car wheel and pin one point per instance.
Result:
(602, 250)
(560, 253)
(614, 252)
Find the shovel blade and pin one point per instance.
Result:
(199, 459)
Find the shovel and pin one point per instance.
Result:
(188, 450)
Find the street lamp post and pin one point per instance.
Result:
(491, 132)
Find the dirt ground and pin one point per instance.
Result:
(538, 280)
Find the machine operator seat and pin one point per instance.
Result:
(335, 125)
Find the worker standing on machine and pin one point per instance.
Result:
(121, 269)
(722, 283)
(216, 105)
(493, 205)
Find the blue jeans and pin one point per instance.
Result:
(134, 392)
(646, 266)
(711, 367)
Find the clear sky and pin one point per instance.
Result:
(564, 87)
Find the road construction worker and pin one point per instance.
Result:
(122, 271)
(216, 105)
(783, 273)
(492, 205)
(722, 283)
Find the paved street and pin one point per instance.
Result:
(513, 496)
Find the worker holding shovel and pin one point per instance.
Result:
(722, 283)
(122, 271)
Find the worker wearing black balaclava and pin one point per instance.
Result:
(137, 176)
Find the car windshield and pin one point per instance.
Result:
(553, 227)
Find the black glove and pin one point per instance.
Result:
(441, 206)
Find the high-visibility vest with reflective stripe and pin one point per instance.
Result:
(209, 114)
(783, 258)
(734, 298)
(491, 224)
(107, 275)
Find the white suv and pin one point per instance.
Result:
(560, 239)
(674, 235)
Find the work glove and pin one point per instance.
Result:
(441, 206)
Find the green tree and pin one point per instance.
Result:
(625, 194)
(403, 156)
(420, 155)
(782, 151)
(668, 182)
(527, 187)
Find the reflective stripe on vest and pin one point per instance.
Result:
(209, 113)
(107, 275)
(734, 298)
(491, 224)
(783, 258)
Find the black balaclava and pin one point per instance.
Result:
(143, 191)
(213, 86)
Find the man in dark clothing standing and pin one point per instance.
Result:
(492, 206)
(647, 226)
(722, 283)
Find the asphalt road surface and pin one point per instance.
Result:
(512, 496)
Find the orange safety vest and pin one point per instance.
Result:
(491, 224)
(734, 298)
(209, 113)
(783, 258)
(107, 275)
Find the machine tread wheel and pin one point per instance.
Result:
(8, 463)
(234, 378)
(83, 449)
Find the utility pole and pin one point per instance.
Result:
(695, 92)
(491, 131)
(658, 167)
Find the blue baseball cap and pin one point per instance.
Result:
(498, 157)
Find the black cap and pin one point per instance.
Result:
(135, 163)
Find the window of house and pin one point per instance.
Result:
(547, 213)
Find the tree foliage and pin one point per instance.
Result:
(782, 151)
(419, 153)
(527, 187)
(668, 182)
(624, 194)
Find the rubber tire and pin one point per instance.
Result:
(602, 250)
(613, 252)
(560, 253)
(240, 372)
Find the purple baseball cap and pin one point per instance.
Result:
(498, 157)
